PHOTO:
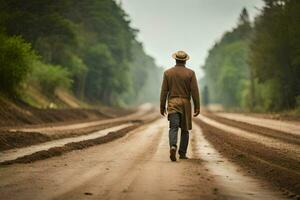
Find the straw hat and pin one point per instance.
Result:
(180, 55)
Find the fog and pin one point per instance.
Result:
(191, 25)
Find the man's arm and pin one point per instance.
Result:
(195, 95)
(163, 95)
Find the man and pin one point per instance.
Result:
(179, 85)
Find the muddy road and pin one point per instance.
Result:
(137, 166)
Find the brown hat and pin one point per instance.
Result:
(180, 55)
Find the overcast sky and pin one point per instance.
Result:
(190, 25)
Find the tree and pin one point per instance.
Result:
(226, 67)
(92, 40)
(274, 56)
(16, 59)
(205, 96)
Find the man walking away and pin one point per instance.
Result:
(179, 85)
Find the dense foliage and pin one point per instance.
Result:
(89, 42)
(16, 59)
(275, 56)
(145, 81)
(226, 68)
(47, 78)
(258, 67)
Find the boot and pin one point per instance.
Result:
(173, 153)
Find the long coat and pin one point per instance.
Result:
(178, 86)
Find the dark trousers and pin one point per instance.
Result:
(174, 119)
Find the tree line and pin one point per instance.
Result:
(86, 46)
(256, 66)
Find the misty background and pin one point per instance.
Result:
(193, 25)
(71, 53)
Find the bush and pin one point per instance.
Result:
(16, 59)
(50, 77)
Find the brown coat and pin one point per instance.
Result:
(179, 85)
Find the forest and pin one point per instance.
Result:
(85, 47)
(256, 66)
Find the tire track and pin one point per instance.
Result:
(116, 185)
(231, 181)
(278, 167)
(277, 134)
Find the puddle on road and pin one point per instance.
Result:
(232, 182)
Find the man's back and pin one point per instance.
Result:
(180, 81)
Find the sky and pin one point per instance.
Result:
(166, 26)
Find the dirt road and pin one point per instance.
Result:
(284, 126)
(31, 136)
(136, 166)
(271, 153)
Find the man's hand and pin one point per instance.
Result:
(196, 112)
(163, 111)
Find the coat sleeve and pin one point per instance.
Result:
(195, 92)
(164, 92)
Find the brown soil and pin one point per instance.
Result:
(137, 168)
(266, 162)
(26, 135)
(18, 113)
(287, 137)
(10, 140)
(57, 151)
(134, 167)
(277, 116)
